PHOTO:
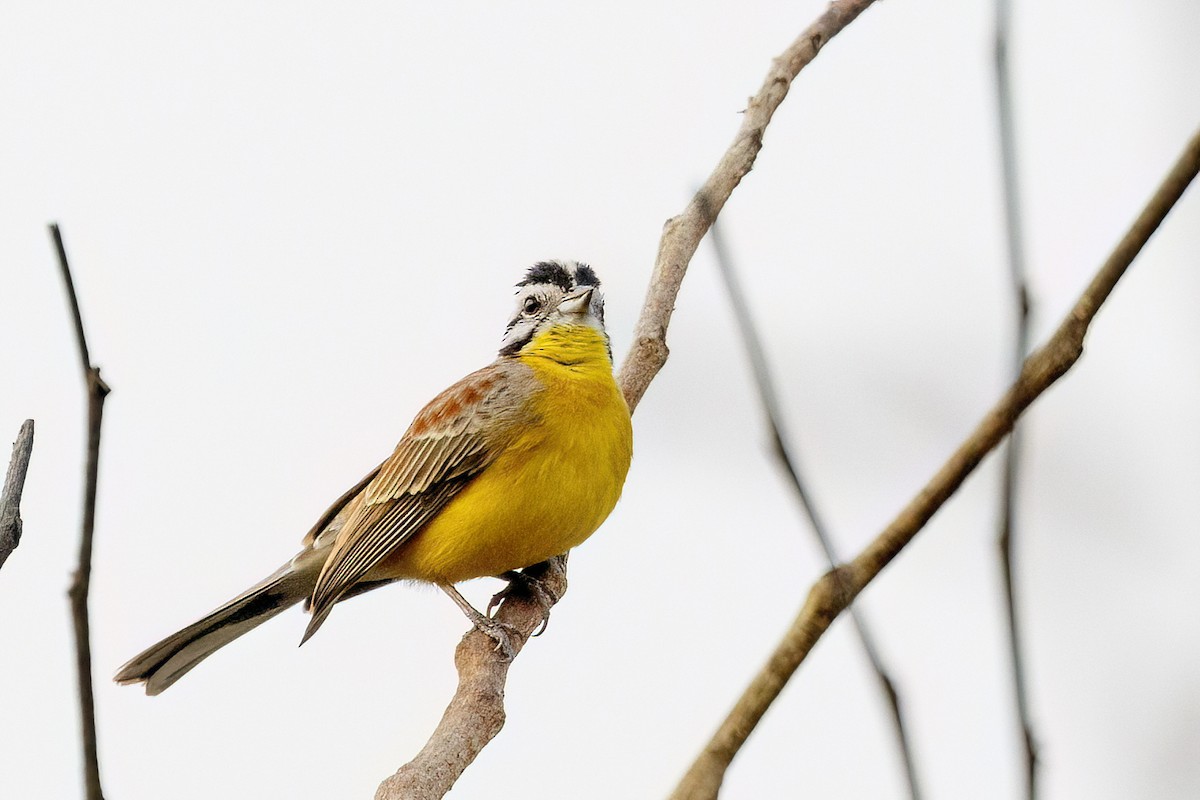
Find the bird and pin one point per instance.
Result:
(511, 466)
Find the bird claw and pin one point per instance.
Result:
(501, 633)
(533, 587)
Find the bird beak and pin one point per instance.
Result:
(577, 303)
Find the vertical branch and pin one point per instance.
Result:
(775, 422)
(81, 581)
(1012, 454)
(14, 485)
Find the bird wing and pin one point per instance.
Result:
(322, 533)
(454, 438)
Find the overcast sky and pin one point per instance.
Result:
(292, 224)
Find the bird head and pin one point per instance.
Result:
(554, 293)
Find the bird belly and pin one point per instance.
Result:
(551, 488)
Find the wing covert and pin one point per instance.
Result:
(454, 438)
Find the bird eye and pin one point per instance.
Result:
(532, 304)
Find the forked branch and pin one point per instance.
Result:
(835, 590)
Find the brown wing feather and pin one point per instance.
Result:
(448, 443)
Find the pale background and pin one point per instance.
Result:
(292, 225)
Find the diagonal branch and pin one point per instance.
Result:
(835, 590)
(14, 485)
(682, 234)
(81, 581)
(1006, 541)
(476, 713)
(791, 465)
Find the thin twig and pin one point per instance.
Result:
(1006, 540)
(476, 713)
(81, 581)
(14, 485)
(776, 423)
(835, 590)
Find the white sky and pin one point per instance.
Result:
(290, 226)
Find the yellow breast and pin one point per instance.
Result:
(554, 483)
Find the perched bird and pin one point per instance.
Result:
(511, 466)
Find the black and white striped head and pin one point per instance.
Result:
(554, 293)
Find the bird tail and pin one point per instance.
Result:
(166, 662)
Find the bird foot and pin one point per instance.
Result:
(501, 633)
(530, 586)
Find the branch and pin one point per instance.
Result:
(1006, 541)
(10, 497)
(835, 590)
(81, 581)
(775, 421)
(682, 234)
(476, 713)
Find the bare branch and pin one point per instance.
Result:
(791, 465)
(81, 581)
(835, 590)
(14, 485)
(682, 234)
(1006, 540)
(476, 713)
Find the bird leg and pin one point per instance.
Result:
(499, 631)
(530, 583)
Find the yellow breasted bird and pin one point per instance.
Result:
(513, 465)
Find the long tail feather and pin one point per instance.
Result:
(166, 662)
